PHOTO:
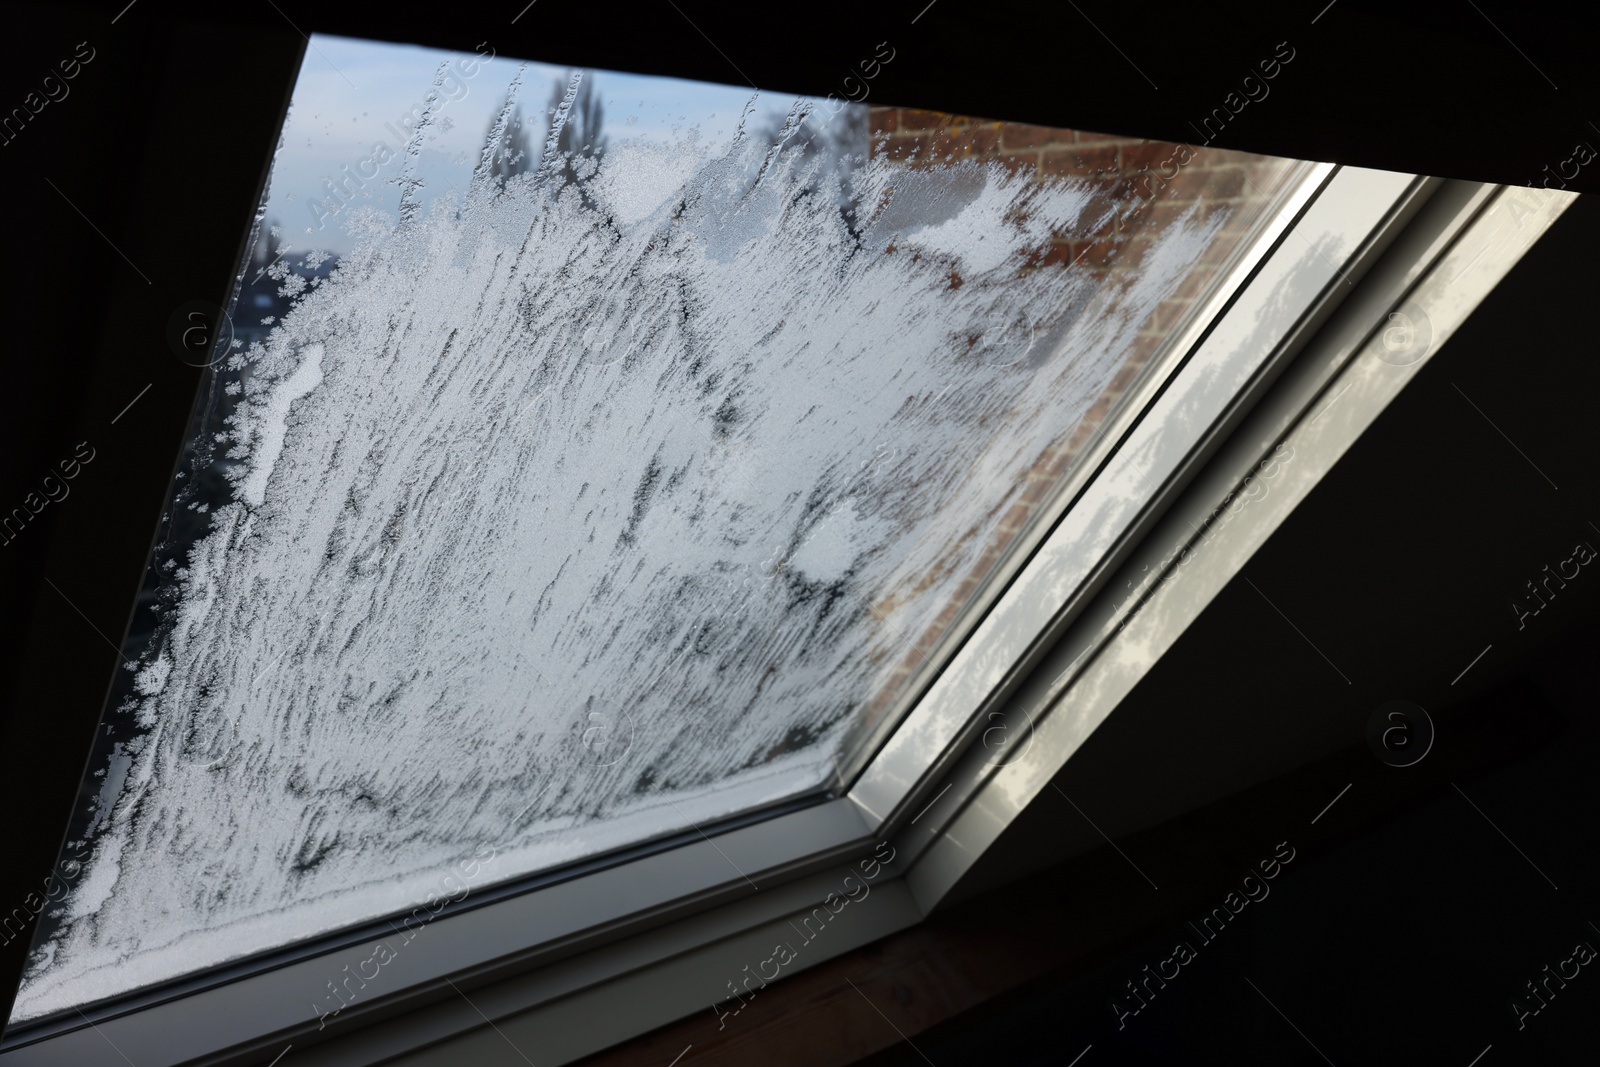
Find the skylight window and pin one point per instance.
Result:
(602, 457)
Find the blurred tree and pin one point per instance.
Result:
(566, 141)
(269, 243)
(508, 146)
(826, 149)
(575, 140)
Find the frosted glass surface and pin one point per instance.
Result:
(585, 492)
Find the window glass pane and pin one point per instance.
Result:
(595, 457)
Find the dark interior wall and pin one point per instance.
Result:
(1492, 92)
(1400, 568)
(131, 194)
(1423, 898)
(1405, 930)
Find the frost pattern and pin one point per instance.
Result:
(675, 459)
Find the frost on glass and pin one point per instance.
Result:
(581, 503)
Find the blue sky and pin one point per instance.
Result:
(350, 91)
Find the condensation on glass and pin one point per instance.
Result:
(594, 457)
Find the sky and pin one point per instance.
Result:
(349, 92)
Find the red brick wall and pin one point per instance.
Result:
(1137, 181)
(1127, 171)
